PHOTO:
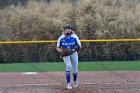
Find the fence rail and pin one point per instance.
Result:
(54, 41)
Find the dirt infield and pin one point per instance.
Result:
(54, 82)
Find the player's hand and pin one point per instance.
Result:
(73, 49)
(59, 49)
(77, 48)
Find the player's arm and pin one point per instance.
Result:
(58, 49)
(78, 48)
(79, 43)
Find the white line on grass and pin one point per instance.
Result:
(20, 85)
(109, 83)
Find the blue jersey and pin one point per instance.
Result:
(71, 42)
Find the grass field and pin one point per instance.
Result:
(83, 66)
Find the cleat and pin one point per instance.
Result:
(75, 84)
(68, 86)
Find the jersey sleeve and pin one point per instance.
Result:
(77, 40)
(59, 41)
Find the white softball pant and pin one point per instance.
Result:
(71, 62)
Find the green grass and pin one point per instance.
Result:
(83, 66)
(110, 66)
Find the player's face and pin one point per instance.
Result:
(67, 31)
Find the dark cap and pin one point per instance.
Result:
(69, 26)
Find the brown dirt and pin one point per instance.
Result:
(54, 82)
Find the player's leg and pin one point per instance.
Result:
(68, 71)
(74, 61)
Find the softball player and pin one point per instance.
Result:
(69, 40)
